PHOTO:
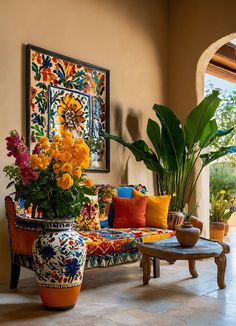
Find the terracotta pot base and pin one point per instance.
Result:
(59, 298)
(59, 308)
(226, 228)
(217, 231)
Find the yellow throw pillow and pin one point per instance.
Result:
(157, 209)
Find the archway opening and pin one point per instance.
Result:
(216, 69)
(221, 75)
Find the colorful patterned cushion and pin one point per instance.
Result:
(105, 242)
(109, 241)
(105, 195)
(174, 219)
(148, 234)
(89, 215)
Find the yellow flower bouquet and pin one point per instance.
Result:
(51, 179)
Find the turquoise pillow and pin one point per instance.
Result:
(125, 192)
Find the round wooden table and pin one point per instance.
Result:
(170, 250)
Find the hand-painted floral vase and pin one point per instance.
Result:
(59, 257)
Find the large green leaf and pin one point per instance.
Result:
(209, 134)
(212, 156)
(199, 117)
(172, 136)
(222, 133)
(141, 152)
(154, 134)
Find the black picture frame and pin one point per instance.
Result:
(51, 77)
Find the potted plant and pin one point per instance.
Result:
(220, 212)
(178, 146)
(51, 181)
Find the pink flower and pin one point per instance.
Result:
(17, 148)
(37, 149)
(34, 175)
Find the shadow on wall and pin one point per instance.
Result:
(132, 124)
(118, 120)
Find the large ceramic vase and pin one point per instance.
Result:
(187, 235)
(59, 256)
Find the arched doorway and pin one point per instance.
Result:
(202, 190)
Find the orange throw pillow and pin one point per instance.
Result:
(157, 209)
(129, 212)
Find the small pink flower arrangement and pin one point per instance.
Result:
(17, 149)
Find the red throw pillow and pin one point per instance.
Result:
(129, 212)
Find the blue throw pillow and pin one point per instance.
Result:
(125, 192)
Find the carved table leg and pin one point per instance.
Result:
(146, 264)
(221, 266)
(156, 267)
(192, 268)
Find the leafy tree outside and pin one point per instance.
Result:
(223, 172)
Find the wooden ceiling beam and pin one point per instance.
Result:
(223, 63)
(221, 73)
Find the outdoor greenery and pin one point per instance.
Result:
(177, 147)
(223, 171)
(226, 118)
(223, 177)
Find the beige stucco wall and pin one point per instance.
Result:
(129, 37)
(193, 27)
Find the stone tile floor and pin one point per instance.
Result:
(115, 296)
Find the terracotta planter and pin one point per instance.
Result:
(217, 231)
(187, 235)
(197, 223)
(175, 219)
(226, 228)
(59, 256)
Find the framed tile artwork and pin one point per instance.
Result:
(68, 94)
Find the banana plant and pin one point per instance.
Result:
(177, 147)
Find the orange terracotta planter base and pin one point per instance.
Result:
(217, 231)
(59, 298)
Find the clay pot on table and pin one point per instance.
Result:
(187, 235)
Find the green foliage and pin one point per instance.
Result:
(177, 148)
(13, 173)
(225, 117)
(223, 177)
(220, 208)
